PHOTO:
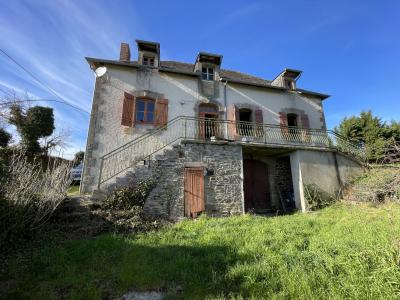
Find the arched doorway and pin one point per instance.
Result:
(256, 186)
(208, 127)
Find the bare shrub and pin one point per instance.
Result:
(30, 194)
(317, 198)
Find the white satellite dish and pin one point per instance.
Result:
(100, 71)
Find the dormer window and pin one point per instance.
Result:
(289, 83)
(148, 61)
(148, 53)
(207, 73)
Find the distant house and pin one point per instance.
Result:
(216, 140)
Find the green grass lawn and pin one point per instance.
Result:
(344, 251)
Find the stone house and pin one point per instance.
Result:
(214, 140)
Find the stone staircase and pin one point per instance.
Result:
(77, 216)
(155, 168)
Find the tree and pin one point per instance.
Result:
(54, 141)
(32, 124)
(5, 138)
(369, 131)
(79, 157)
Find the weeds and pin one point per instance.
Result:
(29, 196)
(317, 198)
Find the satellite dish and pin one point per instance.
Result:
(100, 71)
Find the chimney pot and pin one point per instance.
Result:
(125, 53)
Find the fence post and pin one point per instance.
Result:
(185, 127)
(265, 130)
(100, 173)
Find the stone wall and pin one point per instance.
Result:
(223, 179)
(184, 95)
(283, 178)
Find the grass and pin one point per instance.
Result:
(73, 190)
(343, 251)
(378, 184)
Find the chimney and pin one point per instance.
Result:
(125, 53)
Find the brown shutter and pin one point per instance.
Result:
(161, 118)
(284, 124)
(283, 119)
(258, 116)
(128, 110)
(233, 117)
(305, 123)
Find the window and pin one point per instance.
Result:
(144, 111)
(292, 120)
(245, 129)
(288, 83)
(207, 74)
(148, 61)
(245, 115)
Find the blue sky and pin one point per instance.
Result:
(348, 49)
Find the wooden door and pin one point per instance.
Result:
(256, 185)
(194, 191)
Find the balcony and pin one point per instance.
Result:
(212, 130)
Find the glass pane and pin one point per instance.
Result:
(211, 76)
(150, 117)
(204, 70)
(204, 76)
(150, 106)
(140, 105)
(139, 116)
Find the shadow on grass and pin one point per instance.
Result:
(109, 266)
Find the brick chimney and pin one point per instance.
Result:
(125, 53)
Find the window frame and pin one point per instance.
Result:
(208, 74)
(145, 111)
(292, 116)
(289, 83)
(148, 61)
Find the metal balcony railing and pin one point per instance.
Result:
(200, 129)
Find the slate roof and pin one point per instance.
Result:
(188, 69)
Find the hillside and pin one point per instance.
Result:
(349, 250)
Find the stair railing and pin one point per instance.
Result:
(202, 129)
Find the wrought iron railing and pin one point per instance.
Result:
(201, 129)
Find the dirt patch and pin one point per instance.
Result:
(135, 295)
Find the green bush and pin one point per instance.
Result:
(129, 197)
(124, 208)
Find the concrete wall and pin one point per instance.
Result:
(330, 171)
(272, 102)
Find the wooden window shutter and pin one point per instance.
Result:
(283, 123)
(258, 116)
(161, 112)
(128, 115)
(233, 117)
(305, 122)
